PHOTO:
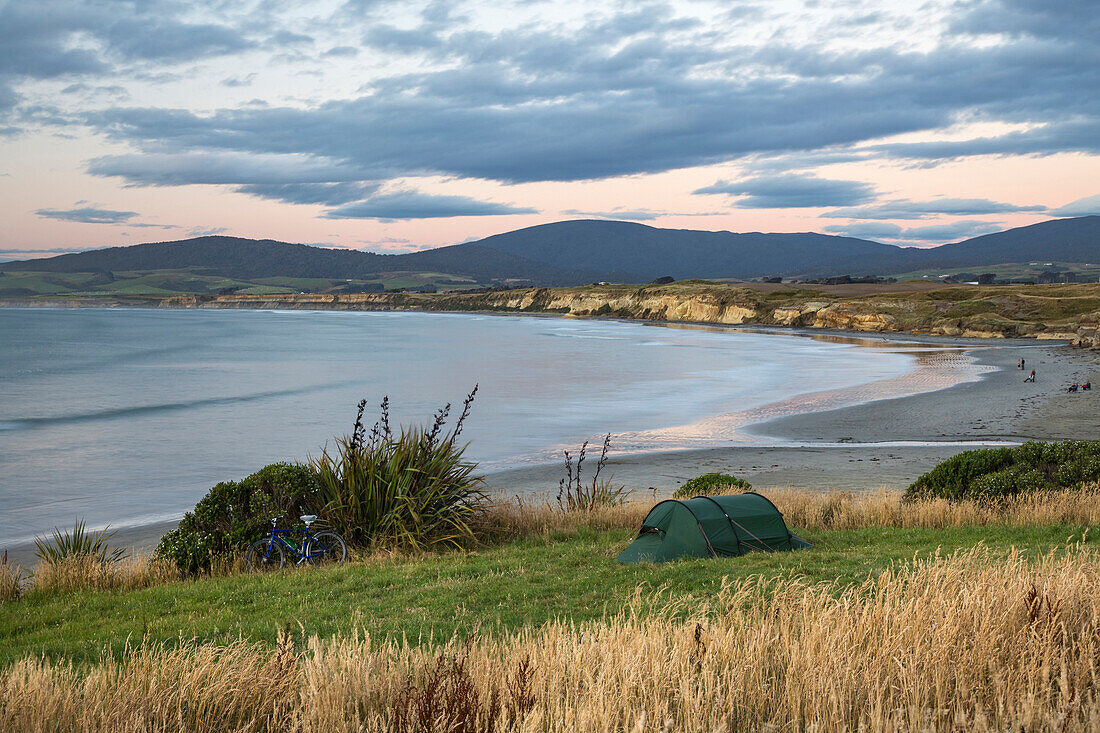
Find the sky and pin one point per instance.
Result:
(398, 126)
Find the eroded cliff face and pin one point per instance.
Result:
(696, 308)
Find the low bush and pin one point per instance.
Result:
(234, 513)
(712, 484)
(413, 489)
(994, 473)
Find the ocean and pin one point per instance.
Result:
(128, 416)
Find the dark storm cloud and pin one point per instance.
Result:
(88, 215)
(792, 191)
(416, 205)
(905, 209)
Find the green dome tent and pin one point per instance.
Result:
(711, 526)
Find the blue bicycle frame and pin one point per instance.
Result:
(298, 552)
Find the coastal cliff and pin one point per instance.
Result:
(1069, 312)
(1061, 312)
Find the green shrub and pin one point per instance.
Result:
(1017, 479)
(235, 513)
(410, 490)
(992, 473)
(80, 542)
(712, 484)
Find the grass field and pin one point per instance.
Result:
(929, 616)
(162, 283)
(568, 573)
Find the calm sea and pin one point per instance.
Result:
(129, 416)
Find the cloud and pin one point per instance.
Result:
(341, 52)
(622, 214)
(389, 38)
(174, 169)
(206, 231)
(238, 81)
(792, 191)
(88, 215)
(163, 39)
(1088, 206)
(332, 194)
(290, 38)
(907, 209)
(933, 233)
(866, 230)
(950, 232)
(643, 90)
(416, 205)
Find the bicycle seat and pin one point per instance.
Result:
(309, 518)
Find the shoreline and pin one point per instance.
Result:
(881, 442)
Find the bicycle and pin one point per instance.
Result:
(321, 548)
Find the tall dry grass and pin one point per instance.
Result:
(823, 510)
(838, 510)
(11, 577)
(78, 572)
(967, 642)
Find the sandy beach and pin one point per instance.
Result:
(882, 443)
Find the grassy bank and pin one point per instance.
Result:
(547, 566)
(930, 616)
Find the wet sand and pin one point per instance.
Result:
(883, 443)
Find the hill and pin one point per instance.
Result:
(604, 245)
(685, 253)
(251, 259)
(576, 252)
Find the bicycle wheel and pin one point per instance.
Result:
(259, 560)
(330, 544)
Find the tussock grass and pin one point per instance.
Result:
(965, 642)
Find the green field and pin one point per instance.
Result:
(527, 582)
(161, 283)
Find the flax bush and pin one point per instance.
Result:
(413, 489)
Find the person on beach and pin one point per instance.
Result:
(1022, 365)
(1086, 385)
(1032, 377)
(1072, 388)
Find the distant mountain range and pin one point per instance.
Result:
(573, 252)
